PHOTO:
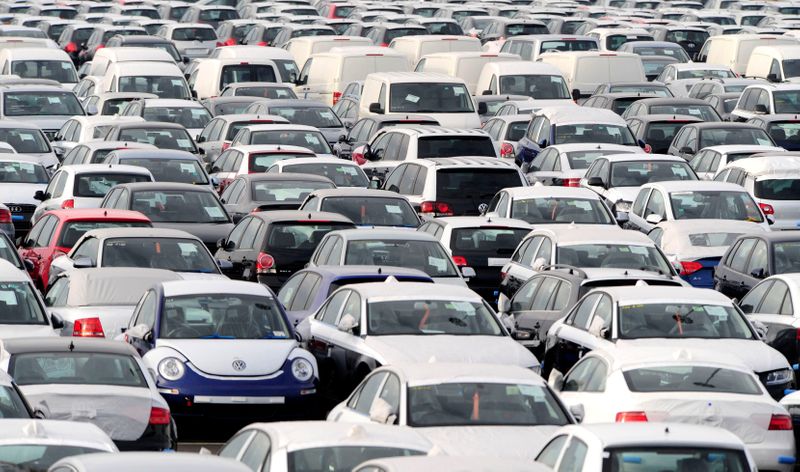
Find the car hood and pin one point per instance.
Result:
(522, 442)
(20, 193)
(121, 412)
(753, 353)
(8, 331)
(449, 348)
(216, 356)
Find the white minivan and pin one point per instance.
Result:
(213, 75)
(325, 75)
(39, 63)
(735, 50)
(417, 46)
(106, 56)
(441, 97)
(774, 63)
(466, 66)
(303, 47)
(542, 82)
(159, 78)
(586, 70)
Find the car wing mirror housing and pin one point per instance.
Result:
(347, 323)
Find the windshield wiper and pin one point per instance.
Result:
(705, 382)
(652, 269)
(217, 336)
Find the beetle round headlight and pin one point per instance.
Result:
(171, 368)
(302, 369)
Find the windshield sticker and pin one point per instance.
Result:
(214, 212)
(8, 297)
(412, 98)
(187, 167)
(715, 311)
(438, 263)
(184, 143)
(393, 209)
(54, 100)
(347, 170)
(187, 248)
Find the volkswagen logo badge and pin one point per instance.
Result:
(239, 365)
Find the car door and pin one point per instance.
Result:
(654, 210)
(567, 342)
(144, 320)
(770, 303)
(43, 248)
(585, 385)
(325, 335)
(729, 275)
(757, 268)
(28, 250)
(356, 410)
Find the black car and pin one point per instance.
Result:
(659, 90)
(782, 128)
(100, 35)
(696, 136)
(769, 303)
(673, 106)
(754, 257)
(657, 131)
(228, 105)
(265, 192)
(724, 103)
(269, 247)
(364, 129)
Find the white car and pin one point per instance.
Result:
(150, 461)
(81, 129)
(681, 77)
(21, 179)
(565, 164)
(22, 310)
(344, 174)
(40, 443)
(473, 464)
(284, 134)
(770, 305)
(683, 385)
(646, 446)
(619, 318)
(550, 205)
(367, 208)
(464, 409)
(281, 444)
(190, 114)
(85, 186)
(711, 159)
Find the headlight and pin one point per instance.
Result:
(171, 368)
(622, 206)
(777, 377)
(302, 369)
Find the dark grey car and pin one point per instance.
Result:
(754, 257)
(261, 192)
(302, 112)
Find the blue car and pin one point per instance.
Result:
(217, 347)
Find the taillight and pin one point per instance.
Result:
(358, 156)
(219, 44)
(767, 208)
(100, 47)
(573, 182)
(780, 423)
(262, 43)
(265, 263)
(71, 47)
(68, 204)
(226, 145)
(159, 416)
(336, 97)
(690, 267)
(460, 261)
(437, 208)
(5, 216)
(384, 45)
(88, 328)
(507, 150)
(631, 417)
(230, 42)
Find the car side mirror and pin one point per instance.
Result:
(92, 109)
(56, 321)
(382, 412)
(342, 138)
(29, 266)
(556, 380)
(578, 412)
(761, 329)
(347, 323)
(185, 59)
(543, 143)
(376, 108)
(761, 109)
(39, 413)
(483, 108)
(654, 219)
(595, 181)
(576, 95)
(148, 336)
(27, 243)
(468, 272)
(522, 335)
(598, 328)
(686, 150)
(200, 139)
(503, 304)
(375, 183)
(771, 219)
(622, 217)
(215, 169)
(759, 273)
(40, 195)
(773, 78)
(82, 263)
(194, 94)
(487, 92)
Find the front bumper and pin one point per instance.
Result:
(155, 438)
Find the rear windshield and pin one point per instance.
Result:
(265, 92)
(247, 73)
(285, 190)
(164, 86)
(73, 230)
(467, 189)
(20, 306)
(577, 45)
(114, 106)
(454, 146)
(657, 90)
(721, 136)
(377, 211)
(310, 116)
(181, 255)
(341, 457)
(430, 98)
(705, 73)
(163, 138)
(487, 240)
(518, 29)
(545, 87)
(98, 185)
(22, 173)
(613, 42)
(516, 130)
(637, 173)
(300, 235)
(194, 34)
(60, 71)
(180, 206)
(656, 459)
(579, 160)
(787, 101)
(659, 134)
(25, 141)
(398, 32)
(260, 162)
(691, 379)
(312, 140)
(171, 170)
(443, 28)
(188, 117)
(563, 210)
(781, 131)
(594, 133)
(82, 368)
(41, 103)
(778, 189)
(343, 175)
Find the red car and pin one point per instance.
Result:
(57, 231)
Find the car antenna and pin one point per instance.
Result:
(666, 429)
(71, 346)
(309, 216)
(380, 271)
(105, 213)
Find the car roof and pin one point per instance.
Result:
(313, 160)
(78, 214)
(200, 287)
(731, 148)
(640, 156)
(695, 186)
(286, 176)
(105, 169)
(481, 221)
(429, 130)
(356, 192)
(574, 114)
(352, 271)
(10, 273)
(662, 294)
(63, 433)
(466, 162)
(709, 225)
(378, 234)
(391, 289)
(296, 435)
(148, 125)
(541, 191)
(417, 77)
(154, 154)
(666, 117)
(300, 216)
(768, 165)
(281, 127)
(571, 234)
(455, 372)
(156, 186)
(66, 344)
(117, 145)
(138, 461)
(123, 232)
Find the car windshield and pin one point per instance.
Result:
(443, 28)
(184, 171)
(222, 316)
(654, 65)
(787, 257)
(714, 204)
(704, 112)
(430, 97)
(373, 211)
(179, 206)
(781, 131)
(568, 45)
(660, 133)
(13, 406)
(676, 52)
(264, 92)
(74, 230)
(614, 41)
(657, 90)
(285, 190)
(486, 240)
(229, 108)
(681, 320)
(194, 34)
(563, 210)
(60, 71)
(163, 138)
(580, 160)
(41, 104)
(25, 141)
(312, 140)
(287, 69)
(786, 101)
(340, 458)
(658, 459)
(705, 73)
(616, 256)
(427, 256)
(179, 255)
(188, 117)
(168, 86)
(317, 117)
(431, 317)
(778, 189)
(545, 87)
(638, 173)
(343, 175)
(454, 146)
(245, 72)
(791, 68)
(483, 404)
(22, 173)
(299, 239)
(98, 185)
(594, 133)
(81, 368)
(696, 378)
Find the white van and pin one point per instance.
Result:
(107, 56)
(287, 68)
(586, 70)
(213, 75)
(774, 63)
(417, 46)
(734, 50)
(441, 97)
(530, 47)
(325, 75)
(303, 47)
(542, 82)
(163, 80)
(463, 65)
(610, 39)
(39, 63)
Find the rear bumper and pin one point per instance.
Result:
(155, 438)
(770, 453)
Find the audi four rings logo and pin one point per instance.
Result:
(239, 365)
(15, 209)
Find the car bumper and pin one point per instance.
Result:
(774, 454)
(155, 438)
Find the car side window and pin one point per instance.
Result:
(580, 316)
(57, 295)
(524, 297)
(395, 178)
(739, 260)
(574, 456)
(306, 292)
(249, 236)
(774, 301)
(691, 139)
(257, 453)
(366, 394)
(578, 378)
(390, 393)
(603, 312)
(545, 251)
(752, 300)
(542, 298)
(561, 298)
(527, 256)
(43, 240)
(655, 205)
(638, 204)
(87, 249)
(656, 234)
(336, 252)
(146, 314)
(409, 180)
(289, 289)
(330, 314)
(758, 260)
(523, 246)
(551, 452)
(236, 235)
